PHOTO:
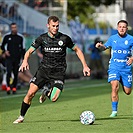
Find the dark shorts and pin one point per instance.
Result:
(54, 77)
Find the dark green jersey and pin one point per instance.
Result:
(53, 49)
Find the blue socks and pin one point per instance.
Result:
(114, 109)
(114, 106)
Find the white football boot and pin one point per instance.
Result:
(20, 119)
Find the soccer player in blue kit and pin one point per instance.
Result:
(52, 69)
(120, 69)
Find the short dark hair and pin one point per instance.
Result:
(13, 24)
(54, 18)
(122, 21)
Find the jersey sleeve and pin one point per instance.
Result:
(132, 44)
(108, 44)
(70, 43)
(37, 42)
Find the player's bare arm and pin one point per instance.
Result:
(25, 64)
(40, 55)
(86, 69)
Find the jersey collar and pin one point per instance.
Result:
(54, 36)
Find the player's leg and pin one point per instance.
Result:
(31, 93)
(8, 75)
(26, 102)
(126, 82)
(36, 82)
(113, 79)
(53, 92)
(114, 97)
(45, 91)
(127, 90)
(15, 73)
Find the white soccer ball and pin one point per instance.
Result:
(87, 118)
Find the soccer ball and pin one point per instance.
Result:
(87, 118)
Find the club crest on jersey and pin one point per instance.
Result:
(126, 42)
(33, 43)
(60, 43)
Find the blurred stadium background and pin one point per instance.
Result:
(31, 17)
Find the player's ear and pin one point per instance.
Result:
(48, 25)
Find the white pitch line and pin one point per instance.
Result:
(70, 88)
(94, 85)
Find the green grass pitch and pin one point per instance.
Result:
(63, 115)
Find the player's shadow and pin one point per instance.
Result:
(56, 121)
(77, 120)
(113, 118)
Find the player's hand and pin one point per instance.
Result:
(86, 71)
(7, 53)
(130, 60)
(24, 66)
(98, 45)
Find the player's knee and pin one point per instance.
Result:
(55, 94)
(114, 96)
(30, 95)
(54, 99)
(31, 92)
(127, 91)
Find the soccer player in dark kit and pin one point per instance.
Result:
(53, 66)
